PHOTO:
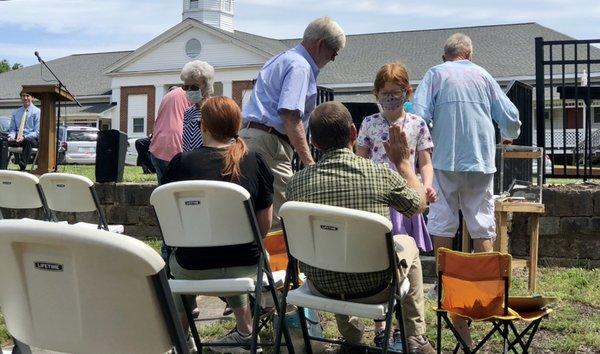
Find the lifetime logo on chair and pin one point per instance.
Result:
(52, 267)
(328, 228)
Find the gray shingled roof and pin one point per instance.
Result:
(504, 50)
(83, 74)
(269, 45)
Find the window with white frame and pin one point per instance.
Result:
(226, 5)
(596, 114)
(138, 125)
(193, 4)
(137, 113)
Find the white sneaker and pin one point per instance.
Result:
(234, 337)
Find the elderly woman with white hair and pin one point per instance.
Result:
(198, 78)
(285, 93)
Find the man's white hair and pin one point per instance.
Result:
(200, 73)
(327, 29)
(458, 44)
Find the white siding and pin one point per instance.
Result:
(137, 108)
(216, 51)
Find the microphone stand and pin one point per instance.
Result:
(61, 86)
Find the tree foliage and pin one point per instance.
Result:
(6, 66)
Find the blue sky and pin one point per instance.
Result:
(58, 28)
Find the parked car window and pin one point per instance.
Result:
(4, 125)
(74, 135)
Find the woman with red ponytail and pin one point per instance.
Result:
(224, 157)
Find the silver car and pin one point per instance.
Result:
(77, 145)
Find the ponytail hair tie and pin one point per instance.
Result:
(236, 137)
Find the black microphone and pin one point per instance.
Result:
(38, 56)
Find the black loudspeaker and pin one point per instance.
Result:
(3, 154)
(111, 148)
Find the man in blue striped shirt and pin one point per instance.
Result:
(276, 116)
(25, 129)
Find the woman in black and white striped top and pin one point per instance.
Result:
(198, 78)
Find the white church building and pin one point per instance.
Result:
(122, 90)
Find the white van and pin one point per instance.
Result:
(77, 145)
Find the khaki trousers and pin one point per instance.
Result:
(278, 156)
(412, 304)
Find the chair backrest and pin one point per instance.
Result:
(19, 190)
(203, 213)
(68, 192)
(75, 290)
(474, 284)
(337, 239)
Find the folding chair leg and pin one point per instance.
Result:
(282, 326)
(192, 324)
(165, 298)
(439, 333)
(281, 312)
(304, 327)
(388, 327)
(400, 319)
(256, 310)
(20, 347)
(457, 335)
(505, 337)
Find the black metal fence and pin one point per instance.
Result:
(567, 93)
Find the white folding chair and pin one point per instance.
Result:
(19, 150)
(21, 190)
(74, 290)
(210, 214)
(340, 240)
(73, 193)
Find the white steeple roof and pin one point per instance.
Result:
(216, 13)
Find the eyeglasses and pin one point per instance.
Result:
(397, 93)
(190, 88)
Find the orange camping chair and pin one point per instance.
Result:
(275, 245)
(476, 286)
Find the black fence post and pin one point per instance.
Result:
(539, 93)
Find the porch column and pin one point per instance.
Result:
(227, 88)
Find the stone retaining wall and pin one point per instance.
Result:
(569, 231)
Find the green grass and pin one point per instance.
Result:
(573, 327)
(131, 173)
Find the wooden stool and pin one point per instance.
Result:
(503, 207)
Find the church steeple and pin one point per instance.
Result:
(216, 13)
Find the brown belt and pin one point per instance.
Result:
(270, 130)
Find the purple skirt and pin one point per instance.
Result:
(414, 226)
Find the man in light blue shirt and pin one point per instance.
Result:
(461, 100)
(285, 93)
(25, 129)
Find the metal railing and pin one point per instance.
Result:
(564, 75)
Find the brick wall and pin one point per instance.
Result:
(569, 230)
(237, 90)
(124, 105)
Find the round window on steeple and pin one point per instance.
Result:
(192, 48)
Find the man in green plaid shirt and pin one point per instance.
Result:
(343, 179)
